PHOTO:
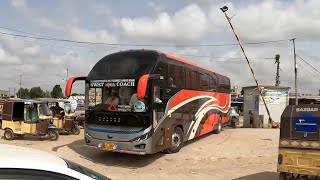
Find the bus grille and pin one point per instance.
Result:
(118, 128)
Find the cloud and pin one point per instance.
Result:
(92, 36)
(23, 7)
(187, 24)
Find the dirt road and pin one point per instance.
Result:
(244, 154)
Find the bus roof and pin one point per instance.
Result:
(189, 62)
(172, 57)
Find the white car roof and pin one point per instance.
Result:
(27, 158)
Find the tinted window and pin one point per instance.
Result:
(124, 65)
(192, 80)
(213, 82)
(204, 82)
(29, 174)
(224, 84)
(85, 171)
(176, 76)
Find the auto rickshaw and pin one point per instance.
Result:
(31, 117)
(299, 144)
(63, 118)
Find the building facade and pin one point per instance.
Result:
(254, 111)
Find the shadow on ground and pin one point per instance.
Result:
(110, 158)
(260, 176)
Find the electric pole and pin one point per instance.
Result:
(20, 86)
(67, 75)
(224, 10)
(278, 68)
(295, 70)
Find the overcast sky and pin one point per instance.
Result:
(175, 22)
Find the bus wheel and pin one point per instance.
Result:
(219, 128)
(177, 141)
(283, 176)
(8, 134)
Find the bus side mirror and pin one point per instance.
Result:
(143, 84)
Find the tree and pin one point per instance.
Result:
(57, 92)
(36, 92)
(47, 94)
(24, 93)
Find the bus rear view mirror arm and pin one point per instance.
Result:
(70, 83)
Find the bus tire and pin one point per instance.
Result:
(219, 127)
(8, 134)
(177, 141)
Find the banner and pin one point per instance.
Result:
(112, 83)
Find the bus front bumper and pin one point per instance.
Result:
(138, 148)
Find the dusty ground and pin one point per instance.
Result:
(244, 154)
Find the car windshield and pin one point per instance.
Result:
(85, 171)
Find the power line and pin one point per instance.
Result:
(49, 38)
(307, 63)
(308, 72)
(213, 57)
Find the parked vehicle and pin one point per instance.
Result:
(63, 118)
(299, 144)
(145, 101)
(80, 112)
(26, 163)
(1, 109)
(233, 117)
(31, 117)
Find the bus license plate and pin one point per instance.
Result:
(109, 146)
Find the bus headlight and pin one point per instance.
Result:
(142, 137)
(139, 106)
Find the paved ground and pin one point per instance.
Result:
(244, 154)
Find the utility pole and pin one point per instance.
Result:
(20, 86)
(67, 75)
(224, 10)
(295, 70)
(278, 68)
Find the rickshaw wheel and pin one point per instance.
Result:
(283, 176)
(53, 135)
(75, 130)
(8, 134)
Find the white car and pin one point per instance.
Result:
(25, 163)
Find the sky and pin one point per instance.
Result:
(167, 22)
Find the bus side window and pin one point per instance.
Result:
(212, 83)
(176, 76)
(204, 82)
(157, 95)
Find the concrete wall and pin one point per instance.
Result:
(276, 100)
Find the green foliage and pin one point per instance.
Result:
(57, 92)
(24, 93)
(36, 92)
(47, 94)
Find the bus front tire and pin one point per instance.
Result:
(177, 141)
(219, 128)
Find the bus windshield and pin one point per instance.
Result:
(123, 66)
(113, 98)
(112, 83)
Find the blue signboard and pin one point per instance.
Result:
(306, 123)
